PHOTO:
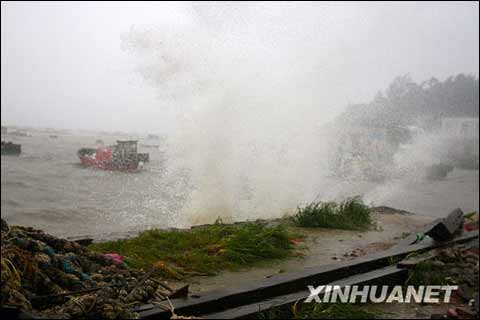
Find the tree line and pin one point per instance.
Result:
(405, 101)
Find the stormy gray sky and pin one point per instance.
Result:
(127, 66)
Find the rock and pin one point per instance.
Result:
(437, 316)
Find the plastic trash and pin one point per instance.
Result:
(115, 257)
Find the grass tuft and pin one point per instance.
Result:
(205, 249)
(350, 214)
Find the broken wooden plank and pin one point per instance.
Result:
(385, 276)
(418, 235)
(180, 293)
(411, 262)
(438, 229)
(446, 229)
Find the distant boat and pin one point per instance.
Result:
(153, 137)
(438, 171)
(19, 133)
(53, 136)
(11, 149)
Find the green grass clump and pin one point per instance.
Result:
(252, 242)
(205, 249)
(350, 214)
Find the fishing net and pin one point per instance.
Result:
(47, 276)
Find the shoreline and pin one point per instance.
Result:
(121, 235)
(315, 247)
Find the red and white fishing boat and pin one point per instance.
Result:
(122, 157)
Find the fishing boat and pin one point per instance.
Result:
(19, 133)
(11, 149)
(120, 157)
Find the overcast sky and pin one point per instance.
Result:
(127, 66)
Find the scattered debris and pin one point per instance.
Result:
(455, 265)
(471, 221)
(46, 276)
(115, 257)
(453, 256)
(50, 277)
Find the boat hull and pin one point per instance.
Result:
(11, 149)
(107, 165)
